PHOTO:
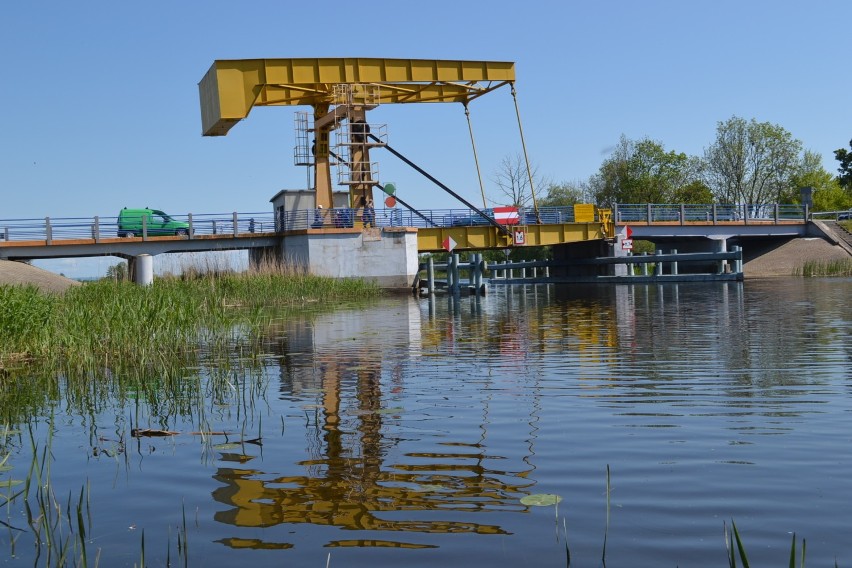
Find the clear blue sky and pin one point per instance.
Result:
(100, 99)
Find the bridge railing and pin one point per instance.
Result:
(346, 217)
(98, 228)
(229, 223)
(709, 213)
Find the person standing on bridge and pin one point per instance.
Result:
(318, 221)
(369, 213)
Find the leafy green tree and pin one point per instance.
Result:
(695, 191)
(643, 172)
(832, 198)
(844, 156)
(564, 194)
(751, 162)
(117, 271)
(828, 195)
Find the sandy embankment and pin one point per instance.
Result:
(789, 257)
(19, 273)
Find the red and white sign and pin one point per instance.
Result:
(626, 232)
(520, 238)
(506, 215)
(449, 244)
(626, 244)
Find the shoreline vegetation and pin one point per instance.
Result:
(117, 325)
(822, 268)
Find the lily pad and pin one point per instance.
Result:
(227, 446)
(541, 499)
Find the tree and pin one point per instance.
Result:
(564, 194)
(828, 195)
(117, 271)
(643, 172)
(513, 181)
(844, 156)
(695, 191)
(751, 162)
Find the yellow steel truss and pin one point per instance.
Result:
(231, 88)
(488, 237)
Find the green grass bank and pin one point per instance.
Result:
(118, 325)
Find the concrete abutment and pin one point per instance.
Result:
(386, 256)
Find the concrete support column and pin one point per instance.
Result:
(457, 271)
(430, 275)
(722, 246)
(142, 269)
(477, 273)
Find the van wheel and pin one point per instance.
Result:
(182, 232)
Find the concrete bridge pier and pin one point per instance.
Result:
(140, 268)
(721, 245)
(386, 256)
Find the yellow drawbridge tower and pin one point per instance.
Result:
(341, 91)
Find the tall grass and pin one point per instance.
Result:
(817, 268)
(126, 328)
(25, 316)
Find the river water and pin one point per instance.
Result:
(406, 433)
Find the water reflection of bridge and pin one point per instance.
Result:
(355, 476)
(379, 458)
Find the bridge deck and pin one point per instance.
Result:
(56, 238)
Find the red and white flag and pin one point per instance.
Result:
(506, 215)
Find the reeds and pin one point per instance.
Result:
(59, 532)
(819, 268)
(122, 327)
(735, 549)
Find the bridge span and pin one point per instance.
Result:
(27, 239)
(291, 234)
(24, 239)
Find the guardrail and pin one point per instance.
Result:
(97, 228)
(347, 217)
(709, 213)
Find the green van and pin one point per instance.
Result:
(156, 223)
